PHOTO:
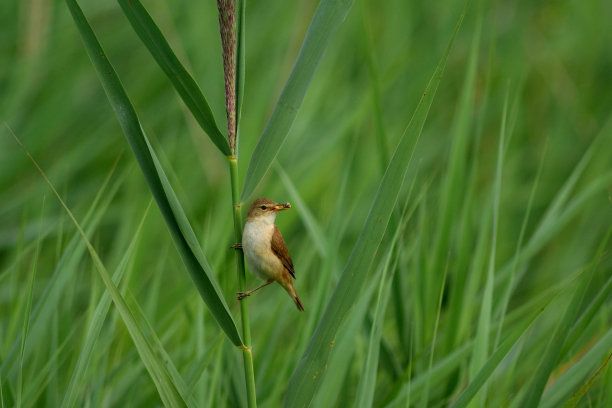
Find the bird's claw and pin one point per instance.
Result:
(242, 295)
(236, 246)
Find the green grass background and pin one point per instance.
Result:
(456, 261)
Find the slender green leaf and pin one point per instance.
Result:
(304, 382)
(183, 82)
(318, 238)
(340, 362)
(174, 215)
(367, 381)
(587, 316)
(487, 369)
(435, 335)
(559, 212)
(78, 377)
(46, 373)
(26, 317)
(159, 350)
(454, 185)
(154, 364)
(328, 16)
(553, 350)
(69, 260)
(519, 247)
(575, 399)
(199, 366)
(481, 345)
(575, 375)
(415, 386)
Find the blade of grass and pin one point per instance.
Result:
(163, 382)
(159, 350)
(183, 82)
(47, 372)
(498, 355)
(574, 376)
(367, 380)
(310, 371)
(328, 16)
(99, 316)
(572, 402)
(71, 256)
(553, 350)
(587, 316)
(425, 399)
(174, 215)
(26, 317)
(367, 43)
(318, 237)
(559, 212)
(340, 362)
(481, 345)
(442, 369)
(454, 183)
(198, 368)
(414, 387)
(519, 246)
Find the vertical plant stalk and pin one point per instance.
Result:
(247, 354)
(227, 26)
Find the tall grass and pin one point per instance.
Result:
(450, 232)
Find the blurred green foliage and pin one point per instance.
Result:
(556, 59)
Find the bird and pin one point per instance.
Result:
(265, 250)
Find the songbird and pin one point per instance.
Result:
(264, 248)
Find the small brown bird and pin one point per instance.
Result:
(265, 250)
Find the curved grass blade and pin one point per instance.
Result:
(158, 349)
(26, 318)
(481, 345)
(59, 279)
(328, 16)
(579, 328)
(487, 369)
(553, 351)
(340, 363)
(367, 381)
(46, 373)
(574, 377)
(155, 366)
(78, 376)
(183, 82)
(174, 215)
(318, 237)
(304, 382)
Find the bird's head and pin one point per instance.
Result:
(266, 208)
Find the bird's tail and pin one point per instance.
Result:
(298, 303)
(288, 285)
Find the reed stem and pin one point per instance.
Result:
(247, 355)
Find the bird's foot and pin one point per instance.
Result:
(236, 246)
(242, 295)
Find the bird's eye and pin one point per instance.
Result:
(263, 207)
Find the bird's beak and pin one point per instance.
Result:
(281, 207)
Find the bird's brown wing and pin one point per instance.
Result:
(280, 249)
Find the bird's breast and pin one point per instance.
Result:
(256, 244)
